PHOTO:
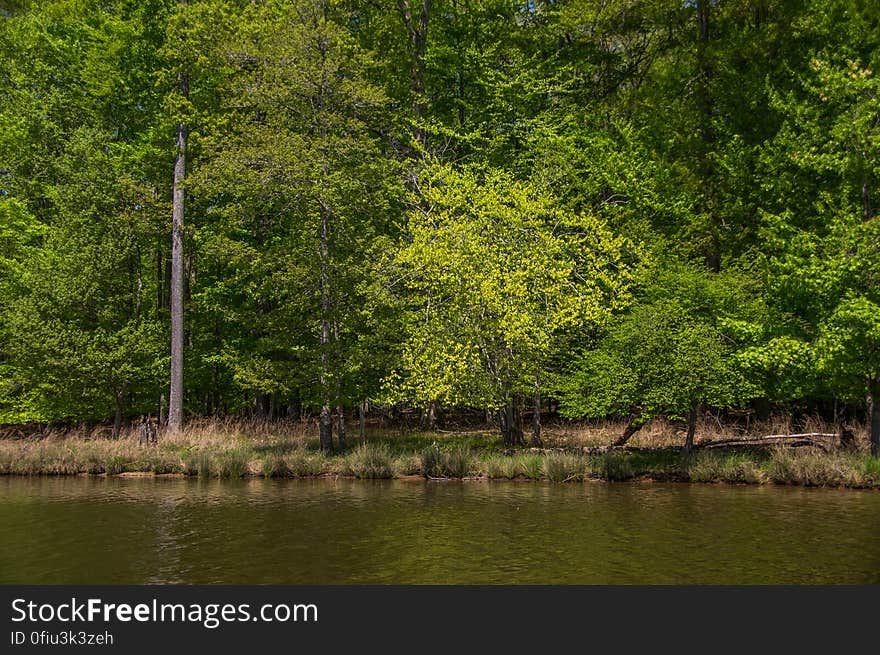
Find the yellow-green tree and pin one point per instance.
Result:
(492, 271)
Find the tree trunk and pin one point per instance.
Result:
(325, 429)
(175, 397)
(509, 421)
(713, 254)
(631, 428)
(340, 426)
(875, 418)
(362, 421)
(325, 421)
(417, 31)
(691, 430)
(160, 279)
(162, 417)
(259, 406)
(117, 419)
(536, 417)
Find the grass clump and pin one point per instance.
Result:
(301, 464)
(816, 469)
(407, 465)
(275, 466)
(870, 471)
(371, 461)
(198, 464)
(455, 463)
(616, 467)
(232, 464)
(563, 467)
(499, 467)
(530, 466)
(115, 465)
(724, 467)
(458, 462)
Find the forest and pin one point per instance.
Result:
(279, 209)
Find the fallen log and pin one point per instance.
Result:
(806, 439)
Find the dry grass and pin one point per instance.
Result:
(661, 433)
(232, 449)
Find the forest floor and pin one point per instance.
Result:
(570, 452)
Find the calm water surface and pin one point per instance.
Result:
(136, 531)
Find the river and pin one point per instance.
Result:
(81, 530)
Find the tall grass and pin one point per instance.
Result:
(723, 467)
(563, 467)
(371, 461)
(232, 449)
(458, 462)
(232, 464)
(616, 467)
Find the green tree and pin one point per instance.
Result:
(300, 195)
(672, 355)
(493, 269)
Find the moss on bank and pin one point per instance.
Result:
(432, 456)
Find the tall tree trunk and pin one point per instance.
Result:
(340, 426)
(325, 429)
(434, 415)
(536, 417)
(691, 430)
(175, 396)
(509, 421)
(259, 406)
(875, 417)
(417, 31)
(160, 280)
(362, 421)
(713, 255)
(120, 401)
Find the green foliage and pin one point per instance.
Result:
(670, 354)
(603, 201)
(492, 270)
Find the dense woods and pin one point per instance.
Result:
(282, 208)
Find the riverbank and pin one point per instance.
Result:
(236, 452)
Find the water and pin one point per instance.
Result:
(141, 531)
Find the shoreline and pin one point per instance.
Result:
(459, 458)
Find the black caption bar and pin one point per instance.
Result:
(170, 619)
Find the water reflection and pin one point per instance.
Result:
(95, 530)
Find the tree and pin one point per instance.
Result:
(490, 271)
(80, 333)
(671, 355)
(300, 196)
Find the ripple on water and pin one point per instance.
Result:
(146, 530)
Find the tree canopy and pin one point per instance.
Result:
(638, 208)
